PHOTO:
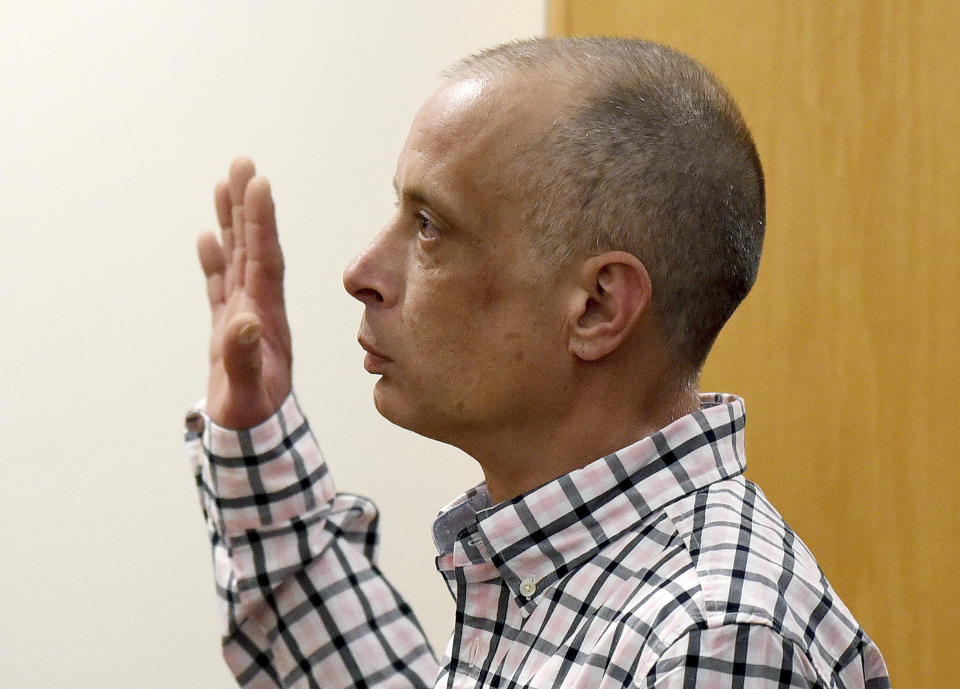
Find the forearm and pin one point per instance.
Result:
(303, 603)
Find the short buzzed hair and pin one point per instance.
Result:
(652, 157)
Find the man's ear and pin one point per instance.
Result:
(613, 292)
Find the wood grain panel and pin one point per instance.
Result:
(847, 351)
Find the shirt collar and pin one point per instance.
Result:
(540, 536)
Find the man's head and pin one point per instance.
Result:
(565, 208)
(651, 156)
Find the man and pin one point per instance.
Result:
(575, 221)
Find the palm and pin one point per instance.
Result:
(250, 351)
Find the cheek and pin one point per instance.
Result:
(517, 346)
(448, 306)
(471, 324)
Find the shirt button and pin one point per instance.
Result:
(528, 587)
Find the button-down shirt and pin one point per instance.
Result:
(659, 565)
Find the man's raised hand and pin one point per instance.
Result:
(250, 350)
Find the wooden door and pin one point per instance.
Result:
(847, 351)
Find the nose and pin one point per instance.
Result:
(367, 276)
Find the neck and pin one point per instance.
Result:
(602, 417)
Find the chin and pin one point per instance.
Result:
(398, 411)
(392, 407)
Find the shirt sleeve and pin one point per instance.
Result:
(301, 599)
(751, 656)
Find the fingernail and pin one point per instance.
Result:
(249, 333)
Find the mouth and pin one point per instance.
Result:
(375, 361)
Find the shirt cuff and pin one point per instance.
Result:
(262, 476)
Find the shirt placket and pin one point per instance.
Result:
(483, 609)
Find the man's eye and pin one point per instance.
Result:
(427, 228)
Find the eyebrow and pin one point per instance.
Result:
(412, 194)
(452, 221)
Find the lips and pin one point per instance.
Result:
(375, 361)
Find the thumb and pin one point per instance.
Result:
(242, 359)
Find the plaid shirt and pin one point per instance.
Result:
(656, 566)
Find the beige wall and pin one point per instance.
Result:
(848, 351)
(116, 119)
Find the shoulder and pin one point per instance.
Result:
(757, 656)
(732, 583)
(713, 657)
(750, 566)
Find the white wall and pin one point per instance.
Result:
(116, 120)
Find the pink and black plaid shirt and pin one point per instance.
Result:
(656, 566)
